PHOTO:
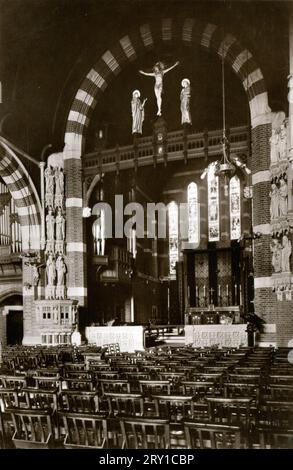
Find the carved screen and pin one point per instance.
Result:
(213, 205)
(193, 213)
(235, 212)
(173, 237)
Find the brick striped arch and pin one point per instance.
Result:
(147, 36)
(23, 191)
(190, 32)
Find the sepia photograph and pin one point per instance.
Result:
(146, 229)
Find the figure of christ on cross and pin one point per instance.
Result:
(158, 73)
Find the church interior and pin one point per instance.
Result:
(146, 221)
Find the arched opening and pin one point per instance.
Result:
(12, 320)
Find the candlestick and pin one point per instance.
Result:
(196, 291)
(204, 290)
(227, 290)
(219, 290)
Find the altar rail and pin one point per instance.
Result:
(198, 144)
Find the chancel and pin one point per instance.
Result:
(146, 216)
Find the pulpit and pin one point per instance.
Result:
(55, 320)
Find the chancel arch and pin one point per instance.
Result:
(147, 36)
(191, 33)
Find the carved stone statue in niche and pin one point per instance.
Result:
(51, 270)
(276, 249)
(185, 102)
(274, 195)
(50, 222)
(35, 275)
(283, 142)
(59, 187)
(283, 198)
(49, 186)
(286, 254)
(61, 270)
(60, 226)
(274, 141)
(137, 108)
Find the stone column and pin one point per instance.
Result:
(75, 228)
(264, 298)
(290, 85)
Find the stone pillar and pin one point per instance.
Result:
(290, 85)
(75, 228)
(264, 298)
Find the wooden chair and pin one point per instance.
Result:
(231, 411)
(8, 398)
(275, 439)
(212, 436)
(145, 433)
(33, 428)
(77, 374)
(121, 404)
(113, 386)
(244, 378)
(236, 390)
(150, 387)
(248, 370)
(174, 407)
(73, 401)
(48, 383)
(77, 384)
(276, 414)
(41, 399)
(105, 374)
(13, 381)
(174, 377)
(204, 377)
(46, 372)
(74, 366)
(84, 430)
(280, 392)
(280, 379)
(199, 390)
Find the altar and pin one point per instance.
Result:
(231, 336)
(129, 338)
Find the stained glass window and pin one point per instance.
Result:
(235, 212)
(213, 204)
(173, 237)
(193, 213)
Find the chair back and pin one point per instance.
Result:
(212, 436)
(75, 401)
(173, 407)
(33, 428)
(230, 411)
(145, 433)
(127, 404)
(84, 430)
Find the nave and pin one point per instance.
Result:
(162, 398)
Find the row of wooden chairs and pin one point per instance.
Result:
(35, 429)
